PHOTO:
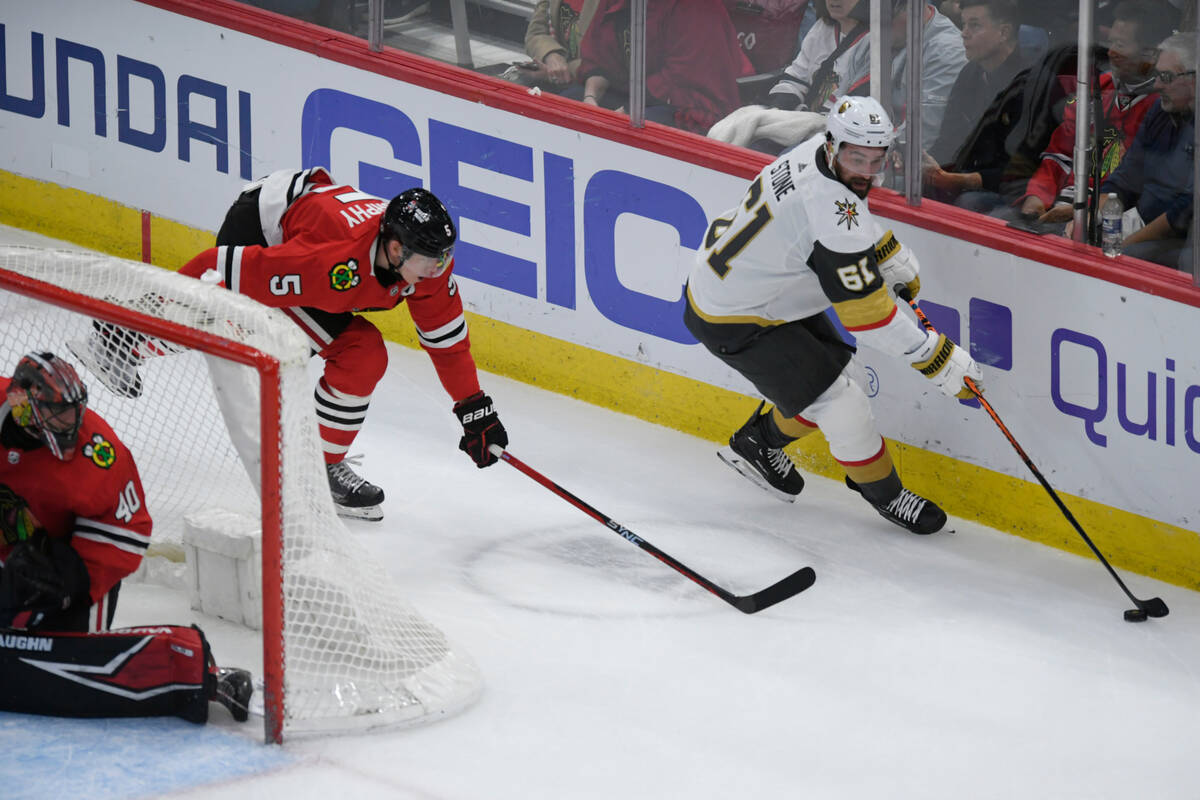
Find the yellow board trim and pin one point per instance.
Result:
(1020, 507)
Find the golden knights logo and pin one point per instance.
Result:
(100, 451)
(847, 213)
(344, 276)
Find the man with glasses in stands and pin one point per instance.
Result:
(1155, 176)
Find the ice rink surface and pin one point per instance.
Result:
(970, 664)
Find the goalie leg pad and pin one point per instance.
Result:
(131, 672)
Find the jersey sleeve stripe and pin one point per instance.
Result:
(136, 548)
(116, 531)
(230, 260)
(300, 178)
(445, 336)
(443, 330)
(873, 311)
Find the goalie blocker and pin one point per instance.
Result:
(164, 670)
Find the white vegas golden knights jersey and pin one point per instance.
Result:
(799, 242)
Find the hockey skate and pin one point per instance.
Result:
(110, 353)
(234, 688)
(353, 496)
(767, 467)
(909, 510)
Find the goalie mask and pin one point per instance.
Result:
(422, 225)
(48, 399)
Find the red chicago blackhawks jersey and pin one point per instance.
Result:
(95, 499)
(328, 237)
(1054, 180)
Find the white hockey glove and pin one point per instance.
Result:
(897, 264)
(947, 365)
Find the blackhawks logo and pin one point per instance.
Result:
(16, 520)
(100, 451)
(847, 213)
(344, 276)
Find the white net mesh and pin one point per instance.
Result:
(354, 654)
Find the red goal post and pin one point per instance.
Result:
(227, 405)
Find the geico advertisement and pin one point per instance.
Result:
(587, 240)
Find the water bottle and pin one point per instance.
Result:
(1110, 225)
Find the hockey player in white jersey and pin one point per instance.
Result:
(803, 239)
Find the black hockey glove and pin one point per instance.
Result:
(43, 574)
(481, 428)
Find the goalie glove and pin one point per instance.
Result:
(897, 264)
(947, 365)
(43, 573)
(481, 428)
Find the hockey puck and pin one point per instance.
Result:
(1135, 615)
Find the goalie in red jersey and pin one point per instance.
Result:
(73, 523)
(322, 252)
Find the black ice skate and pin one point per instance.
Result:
(353, 496)
(110, 353)
(234, 688)
(909, 510)
(766, 467)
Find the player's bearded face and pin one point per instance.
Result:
(857, 166)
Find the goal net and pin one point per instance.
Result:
(342, 651)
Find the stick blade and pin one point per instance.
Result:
(1154, 607)
(792, 585)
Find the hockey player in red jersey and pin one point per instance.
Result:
(74, 523)
(71, 503)
(322, 252)
(804, 240)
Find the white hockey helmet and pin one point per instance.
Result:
(861, 121)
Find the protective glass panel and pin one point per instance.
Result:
(347, 16)
(803, 55)
(1007, 146)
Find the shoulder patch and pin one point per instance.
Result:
(100, 451)
(344, 277)
(847, 213)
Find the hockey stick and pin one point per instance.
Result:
(791, 585)
(1154, 607)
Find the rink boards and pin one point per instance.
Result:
(576, 235)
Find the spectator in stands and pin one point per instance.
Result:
(1155, 176)
(942, 59)
(771, 32)
(693, 61)
(552, 40)
(989, 35)
(849, 74)
(1126, 94)
(837, 45)
(951, 10)
(969, 161)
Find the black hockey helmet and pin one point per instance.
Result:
(48, 399)
(421, 223)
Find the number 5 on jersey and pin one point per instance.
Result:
(719, 258)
